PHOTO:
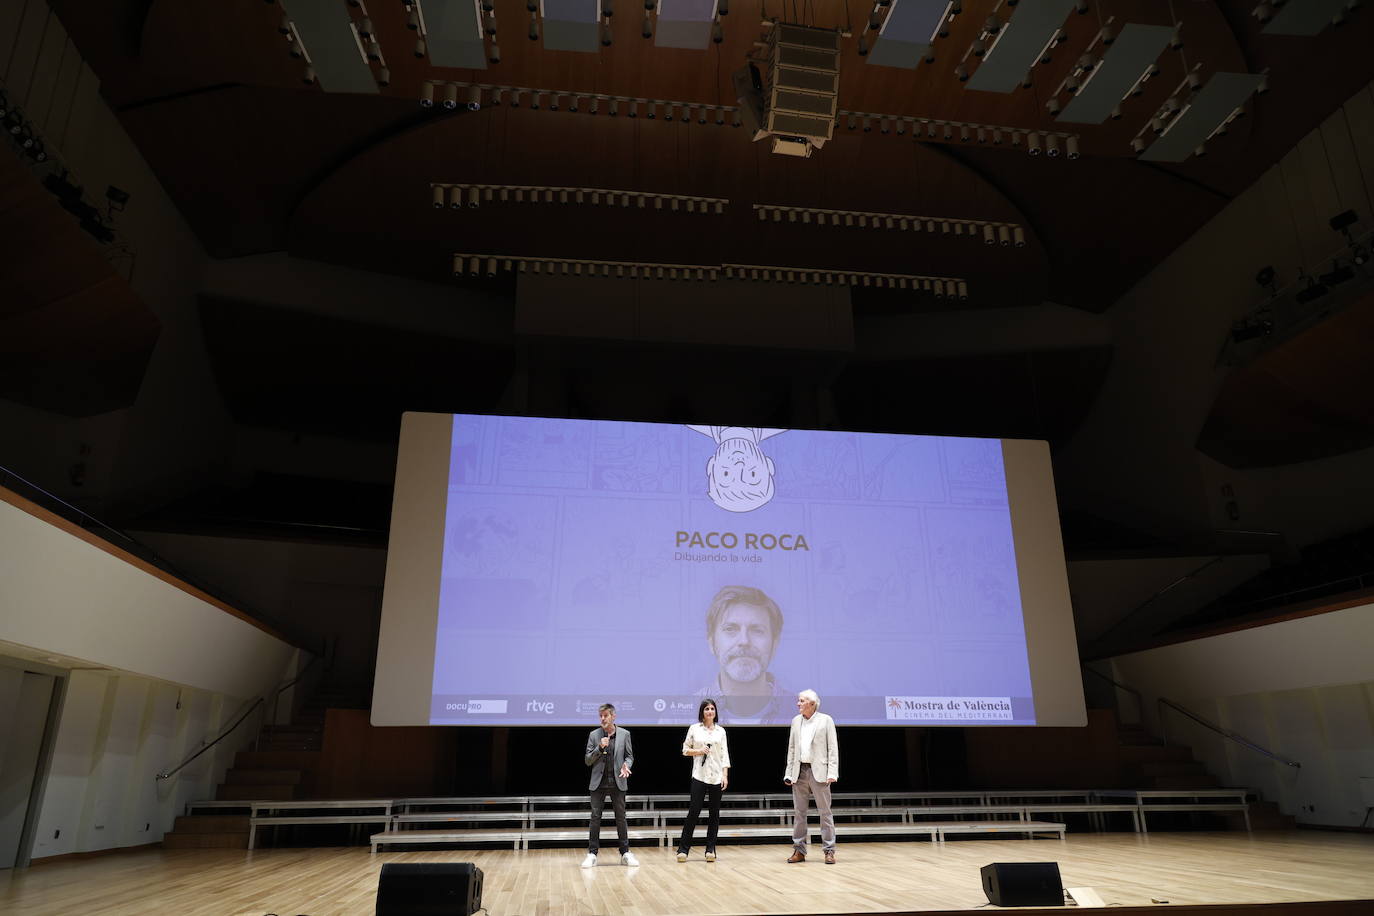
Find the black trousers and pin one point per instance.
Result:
(700, 792)
(608, 787)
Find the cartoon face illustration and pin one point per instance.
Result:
(739, 477)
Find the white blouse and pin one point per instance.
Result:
(710, 767)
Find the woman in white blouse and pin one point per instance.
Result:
(705, 743)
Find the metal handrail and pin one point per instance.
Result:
(276, 694)
(1139, 700)
(1224, 732)
(168, 774)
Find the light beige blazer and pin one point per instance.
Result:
(825, 750)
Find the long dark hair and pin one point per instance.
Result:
(701, 710)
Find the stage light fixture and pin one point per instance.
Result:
(534, 29)
(989, 237)
(474, 98)
(455, 198)
(438, 197)
(450, 101)
(647, 30)
(1071, 147)
(1033, 144)
(383, 77)
(1018, 237)
(474, 198)
(419, 51)
(606, 37)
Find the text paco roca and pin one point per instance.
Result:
(749, 540)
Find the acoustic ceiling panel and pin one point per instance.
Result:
(326, 30)
(1019, 44)
(685, 23)
(907, 32)
(1222, 94)
(572, 25)
(453, 33)
(1134, 50)
(1304, 17)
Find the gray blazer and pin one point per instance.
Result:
(624, 754)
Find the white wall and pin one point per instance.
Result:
(1303, 689)
(70, 598)
(1134, 459)
(116, 732)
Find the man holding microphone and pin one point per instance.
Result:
(610, 754)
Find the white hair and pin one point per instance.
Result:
(810, 695)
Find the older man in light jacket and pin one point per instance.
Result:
(813, 765)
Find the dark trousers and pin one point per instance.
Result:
(700, 792)
(608, 787)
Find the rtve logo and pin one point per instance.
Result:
(540, 706)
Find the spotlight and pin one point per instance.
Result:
(1081, 7)
(1344, 220)
(978, 48)
(1052, 145)
(1107, 35)
(438, 197)
(1018, 237)
(494, 55)
(723, 8)
(1054, 107)
(962, 73)
(1033, 144)
(863, 47)
(534, 29)
(383, 77)
(474, 198)
(607, 8)
(294, 49)
(450, 101)
(285, 26)
(1138, 145)
(648, 29)
(420, 47)
(1071, 147)
(426, 95)
(374, 51)
(606, 37)
(413, 21)
(489, 23)
(1176, 40)
(989, 236)
(365, 29)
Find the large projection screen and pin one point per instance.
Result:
(538, 568)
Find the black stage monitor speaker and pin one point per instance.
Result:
(429, 889)
(1023, 884)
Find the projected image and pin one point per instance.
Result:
(651, 565)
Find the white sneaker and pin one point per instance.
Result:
(629, 859)
(682, 857)
(710, 857)
(590, 861)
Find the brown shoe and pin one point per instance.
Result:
(797, 856)
(830, 857)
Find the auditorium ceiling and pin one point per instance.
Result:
(259, 161)
(641, 131)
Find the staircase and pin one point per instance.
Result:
(1148, 763)
(281, 768)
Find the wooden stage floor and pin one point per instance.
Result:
(1124, 868)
